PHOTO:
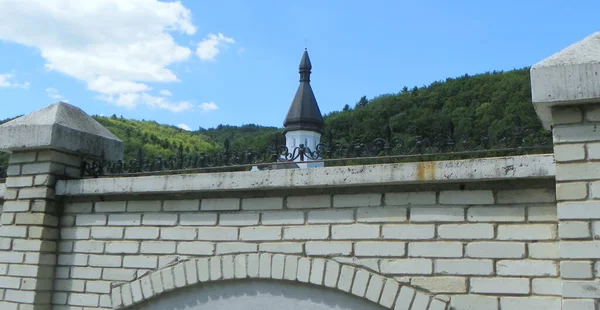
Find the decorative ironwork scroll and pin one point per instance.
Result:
(390, 147)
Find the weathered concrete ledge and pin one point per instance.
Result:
(569, 77)
(60, 126)
(470, 170)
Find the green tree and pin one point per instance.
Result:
(362, 102)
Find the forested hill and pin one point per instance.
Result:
(162, 140)
(154, 139)
(490, 103)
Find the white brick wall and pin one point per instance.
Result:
(410, 198)
(357, 200)
(576, 152)
(467, 197)
(455, 243)
(28, 236)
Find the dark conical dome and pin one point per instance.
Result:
(305, 62)
(304, 113)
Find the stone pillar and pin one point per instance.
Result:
(30, 226)
(566, 96)
(46, 146)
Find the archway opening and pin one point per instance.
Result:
(256, 295)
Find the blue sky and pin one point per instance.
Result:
(204, 63)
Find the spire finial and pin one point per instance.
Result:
(305, 67)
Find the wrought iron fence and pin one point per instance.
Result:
(389, 148)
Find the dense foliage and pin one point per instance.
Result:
(154, 139)
(493, 103)
(243, 137)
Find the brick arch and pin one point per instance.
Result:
(357, 281)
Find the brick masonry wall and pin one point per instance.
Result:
(3, 265)
(577, 153)
(30, 228)
(484, 249)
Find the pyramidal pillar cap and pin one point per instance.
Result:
(63, 127)
(571, 76)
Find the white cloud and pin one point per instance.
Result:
(106, 85)
(116, 47)
(184, 127)
(208, 106)
(6, 80)
(55, 94)
(165, 93)
(208, 49)
(131, 100)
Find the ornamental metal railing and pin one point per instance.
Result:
(380, 150)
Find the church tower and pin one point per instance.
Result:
(304, 122)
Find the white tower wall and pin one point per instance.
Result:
(310, 139)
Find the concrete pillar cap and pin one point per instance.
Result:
(60, 126)
(571, 76)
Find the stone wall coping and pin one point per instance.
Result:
(60, 126)
(468, 170)
(566, 78)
